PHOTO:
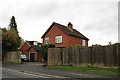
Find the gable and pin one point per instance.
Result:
(53, 31)
(48, 29)
(66, 30)
(25, 47)
(31, 49)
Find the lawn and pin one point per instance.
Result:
(110, 72)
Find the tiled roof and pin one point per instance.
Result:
(36, 47)
(32, 42)
(67, 31)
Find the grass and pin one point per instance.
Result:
(12, 62)
(110, 72)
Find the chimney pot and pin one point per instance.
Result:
(70, 25)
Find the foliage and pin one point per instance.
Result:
(9, 41)
(13, 27)
(116, 44)
(77, 45)
(109, 43)
(44, 49)
(22, 41)
(51, 45)
(10, 37)
(95, 45)
(13, 24)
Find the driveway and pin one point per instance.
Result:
(35, 68)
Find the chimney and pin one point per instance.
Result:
(70, 25)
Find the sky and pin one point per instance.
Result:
(96, 19)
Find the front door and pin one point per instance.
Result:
(32, 57)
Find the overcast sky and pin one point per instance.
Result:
(97, 20)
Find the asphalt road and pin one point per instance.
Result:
(9, 73)
(35, 70)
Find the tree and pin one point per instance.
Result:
(10, 37)
(13, 27)
(109, 43)
(13, 24)
(116, 43)
(9, 41)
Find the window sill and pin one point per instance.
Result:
(58, 43)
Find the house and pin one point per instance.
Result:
(63, 36)
(32, 50)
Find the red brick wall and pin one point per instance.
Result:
(66, 39)
(55, 31)
(32, 50)
(24, 47)
(38, 55)
(75, 41)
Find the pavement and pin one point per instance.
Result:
(35, 70)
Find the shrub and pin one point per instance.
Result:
(44, 49)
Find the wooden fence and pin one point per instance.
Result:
(97, 55)
(12, 57)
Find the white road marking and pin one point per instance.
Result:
(42, 75)
(25, 73)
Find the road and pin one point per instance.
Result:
(35, 70)
(9, 73)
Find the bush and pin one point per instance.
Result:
(44, 49)
(116, 44)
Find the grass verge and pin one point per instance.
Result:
(12, 62)
(110, 72)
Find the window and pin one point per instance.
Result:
(35, 43)
(58, 39)
(47, 40)
(83, 43)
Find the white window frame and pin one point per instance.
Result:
(35, 43)
(47, 40)
(83, 42)
(58, 39)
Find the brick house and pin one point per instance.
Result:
(63, 36)
(32, 50)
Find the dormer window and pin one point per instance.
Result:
(35, 43)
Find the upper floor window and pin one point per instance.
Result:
(83, 43)
(47, 40)
(58, 39)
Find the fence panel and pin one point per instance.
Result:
(12, 57)
(97, 55)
